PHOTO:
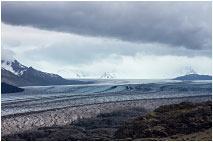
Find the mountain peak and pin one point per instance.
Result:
(191, 71)
(80, 74)
(13, 66)
(107, 75)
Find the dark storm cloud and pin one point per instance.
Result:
(186, 24)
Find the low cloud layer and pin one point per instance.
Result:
(175, 24)
(7, 55)
(66, 49)
(66, 54)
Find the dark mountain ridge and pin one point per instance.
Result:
(194, 77)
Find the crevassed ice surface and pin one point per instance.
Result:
(36, 98)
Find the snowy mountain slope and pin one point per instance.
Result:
(80, 74)
(108, 75)
(13, 66)
(191, 71)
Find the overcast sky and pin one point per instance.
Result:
(129, 39)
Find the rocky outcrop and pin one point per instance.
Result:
(168, 120)
(6, 88)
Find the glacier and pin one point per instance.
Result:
(36, 98)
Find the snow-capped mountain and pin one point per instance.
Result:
(16, 74)
(72, 74)
(190, 71)
(186, 71)
(80, 74)
(108, 75)
(13, 66)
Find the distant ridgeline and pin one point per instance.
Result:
(16, 74)
(194, 77)
(6, 88)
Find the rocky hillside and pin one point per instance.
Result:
(169, 120)
(6, 88)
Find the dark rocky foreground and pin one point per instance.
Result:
(110, 124)
(168, 120)
(101, 127)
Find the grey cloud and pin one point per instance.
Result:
(76, 54)
(69, 53)
(186, 24)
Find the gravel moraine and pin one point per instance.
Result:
(17, 123)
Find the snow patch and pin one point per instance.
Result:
(7, 66)
(13, 66)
